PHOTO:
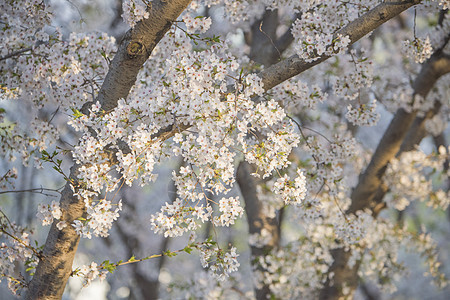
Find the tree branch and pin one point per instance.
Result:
(40, 190)
(356, 29)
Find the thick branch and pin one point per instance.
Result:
(356, 29)
(135, 48)
(55, 268)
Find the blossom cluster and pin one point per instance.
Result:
(295, 271)
(240, 13)
(90, 273)
(315, 37)
(200, 105)
(15, 248)
(292, 191)
(297, 95)
(197, 24)
(220, 263)
(349, 86)
(175, 219)
(330, 158)
(260, 239)
(437, 124)
(387, 239)
(363, 115)
(201, 285)
(46, 214)
(193, 92)
(409, 177)
(403, 97)
(418, 49)
(100, 217)
(352, 228)
(133, 12)
(315, 33)
(54, 76)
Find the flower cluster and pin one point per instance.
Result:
(201, 285)
(314, 32)
(409, 178)
(133, 12)
(194, 92)
(292, 191)
(90, 273)
(220, 263)
(261, 239)
(100, 216)
(350, 85)
(363, 115)
(15, 248)
(330, 158)
(175, 219)
(270, 154)
(230, 209)
(418, 49)
(437, 124)
(54, 76)
(297, 95)
(352, 228)
(46, 214)
(197, 24)
(384, 241)
(239, 12)
(294, 271)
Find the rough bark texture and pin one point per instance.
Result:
(356, 29)
(370, 190)
(55, 267)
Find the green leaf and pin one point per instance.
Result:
(170, 253)
(76, 113)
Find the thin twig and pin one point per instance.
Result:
(35, 190)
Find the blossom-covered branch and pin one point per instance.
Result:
(355, 30)
(54, 270)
